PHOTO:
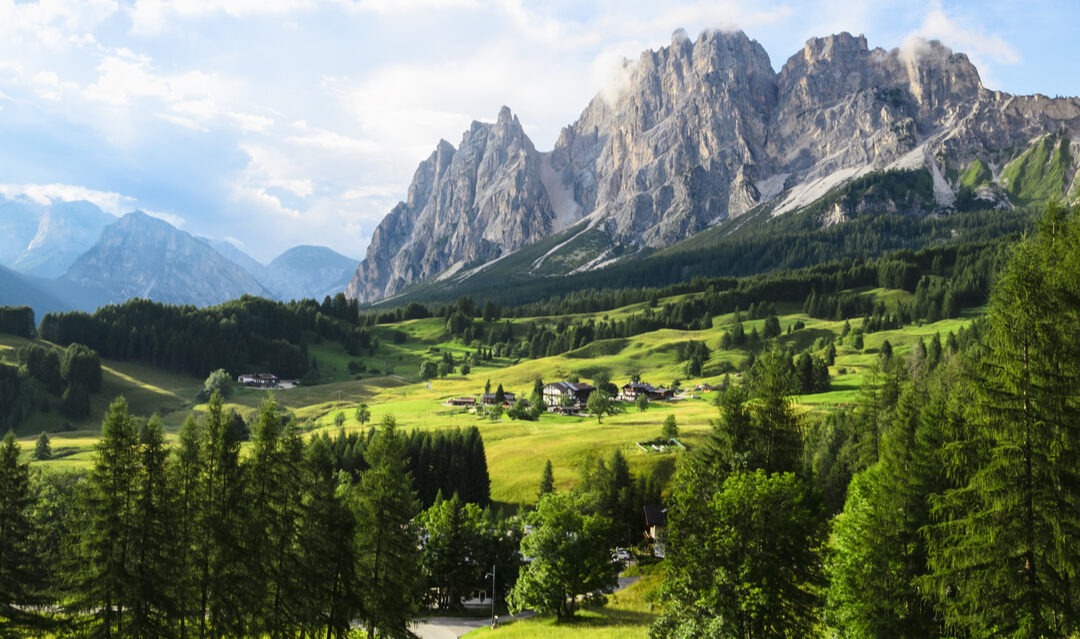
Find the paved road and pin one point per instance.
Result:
(454, 627)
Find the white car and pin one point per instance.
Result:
(620, 554)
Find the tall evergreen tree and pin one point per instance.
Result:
(218, 552)
(547, 480)
(384, 505)
(272, 482)
(327, 594)
(1000, 567)
(22, 577)
(102, 578)
(154, 611)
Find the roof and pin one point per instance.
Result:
(655, 515)
(572, 387)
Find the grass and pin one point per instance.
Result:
(516, 450)
(1038, 174)
(627, 615)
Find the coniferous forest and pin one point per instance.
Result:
(959, 477)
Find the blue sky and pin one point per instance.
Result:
(281, 122)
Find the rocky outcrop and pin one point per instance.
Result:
(465, 206)
(701, 131)
(142, 256)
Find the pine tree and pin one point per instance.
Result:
(999, 566)
(272, 476)
(326, 600)
(103, 583)
(42, 448)
(218, 551)
(22, 577)
(384, 505)
(154, 611)
(547, 480)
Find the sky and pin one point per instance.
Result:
(273, 123)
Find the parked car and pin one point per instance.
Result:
(620, 554)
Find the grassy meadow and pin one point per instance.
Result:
(516, 450)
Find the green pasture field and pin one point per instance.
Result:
(516, 450)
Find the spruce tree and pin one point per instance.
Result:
(43, 448)
(384, 505)
(547, 480)
(154, 610)
(22, 577)
(103, 581)
(999, 564)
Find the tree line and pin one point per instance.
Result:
(197, 540)
(247, 333)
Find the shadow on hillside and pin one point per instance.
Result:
(803, 339)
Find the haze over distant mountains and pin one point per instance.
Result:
(703, 131)
(73, 255)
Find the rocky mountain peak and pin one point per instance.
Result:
(697, 132)
(467, 206)
(143, 256)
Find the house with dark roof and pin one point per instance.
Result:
(567, 394)
(632, 390)
(656, 528)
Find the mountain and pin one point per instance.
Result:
(704, 131)
(465, 206)
(142, 256)
(19, 290)
(65, 231)
(308, 272)
(229, 251)
(44, 240)
(19, 221)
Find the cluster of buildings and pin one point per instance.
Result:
(570, 398)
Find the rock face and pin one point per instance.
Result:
(465, 205)
(702, 131)
(142, 256)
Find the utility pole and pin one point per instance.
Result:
(492, 573)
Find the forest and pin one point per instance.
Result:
(957, 514)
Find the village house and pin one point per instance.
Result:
(258, 380)
(567, 394)
(488, 399)
(656, 528)
(632, 390)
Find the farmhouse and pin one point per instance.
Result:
(563, 394)
(632, 390)
(258, 380)
(656, 528)
(463, 401)
(488, 399)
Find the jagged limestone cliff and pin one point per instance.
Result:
(705, 130)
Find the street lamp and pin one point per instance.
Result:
(492, 573)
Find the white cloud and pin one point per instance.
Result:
(45, 194)
(937, 24)
(150, 17)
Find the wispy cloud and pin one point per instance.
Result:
(311, 115)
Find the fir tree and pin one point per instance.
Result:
(384, 505)
(22, 577)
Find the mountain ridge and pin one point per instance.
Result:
(706, 130)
